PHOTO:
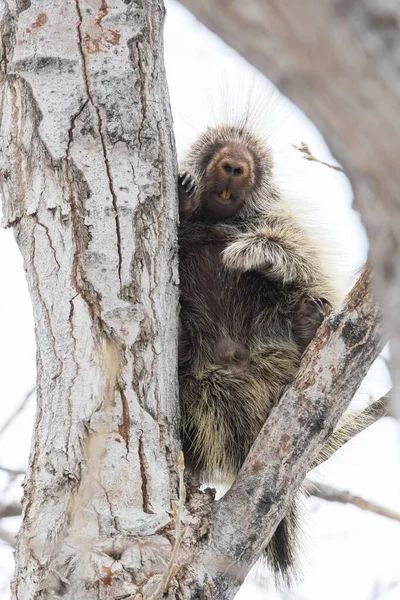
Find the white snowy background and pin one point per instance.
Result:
(350, 554)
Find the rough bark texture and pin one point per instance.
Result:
(339, 61)
(331, 371)
(88, 182)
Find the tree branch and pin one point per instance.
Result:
(10, 510)
(351, 425)
(7, 537)
(348, 85)
(331, 371)
(12, 472)
(18, 410)
(332, 494)
(308, 155)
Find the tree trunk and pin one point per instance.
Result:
(88, 164)
(338, 61)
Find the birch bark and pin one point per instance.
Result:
(88, 164)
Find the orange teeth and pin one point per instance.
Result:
(226, 194)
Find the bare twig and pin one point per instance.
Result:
(304, 149)
(7, 537)
(353, 424)
(172, 567)
(332, 494)
(10, 510)
(380, 590)
(17, 411)
(12, 472)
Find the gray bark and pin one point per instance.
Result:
(338, 60)
(88, 183)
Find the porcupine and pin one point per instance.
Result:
(254, 290)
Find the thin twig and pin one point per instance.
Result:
(332, 494)
(7, 537)
(14, 509)
(179, 535)
(380, 590)
(304, 149)
(19, 409)
(12, 472)
(353, 424)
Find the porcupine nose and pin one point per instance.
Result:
(234, 169)
(234, 162)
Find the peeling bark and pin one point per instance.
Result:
(338, 60)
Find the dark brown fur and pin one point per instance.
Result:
(250, 283)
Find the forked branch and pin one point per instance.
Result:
(331, 371)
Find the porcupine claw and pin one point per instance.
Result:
(188, 182)
(310, 311)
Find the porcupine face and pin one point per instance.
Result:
(228, 180)
(230, 171)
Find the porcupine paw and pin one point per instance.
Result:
(187, 187)
(238, 255)
(309, 313)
